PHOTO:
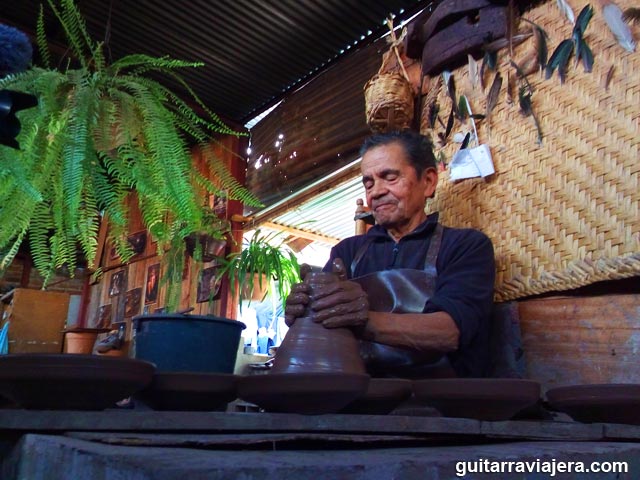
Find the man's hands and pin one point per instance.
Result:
(338, 304)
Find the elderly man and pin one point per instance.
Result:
(420, 294)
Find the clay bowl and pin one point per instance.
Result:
(489, 399)
(307, 393)
(190, 391)
(71, 382)
(382, 396)
(606, 403)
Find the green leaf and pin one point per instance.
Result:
(41, 37)
(559, 59)
(586, 56)
(583, 20)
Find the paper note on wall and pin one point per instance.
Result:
(471, 162)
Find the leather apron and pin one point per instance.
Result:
(402, 290)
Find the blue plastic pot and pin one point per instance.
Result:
(187, 343)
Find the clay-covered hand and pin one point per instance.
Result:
(339, 304)
(298, 298)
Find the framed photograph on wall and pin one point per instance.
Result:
(113, 254)
(132, 302)
(104, 316)
(116, 284)
(138, 242)
(151, 285)
(208, 285)
(219, 204)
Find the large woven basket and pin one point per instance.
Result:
(389, 94)
(566, 213)
(389, 102)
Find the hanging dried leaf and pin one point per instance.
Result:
(583, 19)
(490, 59)
(524, 99)
(566, 10)
(510, 26)
(529, 65)
(465, 141)
(522, 76)
(451, 88)
(509, 89)
(445, 136)
(607, 80)
(494, 93)
(474, 78)
(526, 108)
(613, 16)
(582, 50)
(435, 84)
(631, 15)
(462, 111)
(434, 108)
(449, 123)
(451, 91)
(586, 56)
(542, 51)
(559, 60)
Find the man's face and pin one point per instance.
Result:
(395, 194)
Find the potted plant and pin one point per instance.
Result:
(264, 265)
(99, 133)
(201, 245)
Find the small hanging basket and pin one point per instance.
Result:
(389, 96)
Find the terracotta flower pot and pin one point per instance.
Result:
(79, 342)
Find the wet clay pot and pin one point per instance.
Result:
(311, 348)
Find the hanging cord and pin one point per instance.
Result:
(394, 42)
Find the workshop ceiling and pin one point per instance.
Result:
(254, 51)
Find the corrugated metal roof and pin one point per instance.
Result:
(330, 214)
(254, 50)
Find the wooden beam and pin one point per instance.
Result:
(301, 233)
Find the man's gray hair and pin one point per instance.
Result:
(418, 148)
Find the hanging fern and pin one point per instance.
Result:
(100, 132)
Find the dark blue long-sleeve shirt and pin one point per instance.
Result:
(464, 285)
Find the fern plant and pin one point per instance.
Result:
(100, 132)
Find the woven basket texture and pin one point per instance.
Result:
(565, 213)
(389, 102)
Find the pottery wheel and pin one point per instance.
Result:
(606, 403)
(70, 381)
(307, 393)
(489, 399)
(190, 391)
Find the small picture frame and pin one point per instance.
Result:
(104, 316)
(208, 285)
(151, 284)
(132, 302)
(116, 284)
(219, 204)
(113, 254)
(138, 242)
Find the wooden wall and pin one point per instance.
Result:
(576, 340)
